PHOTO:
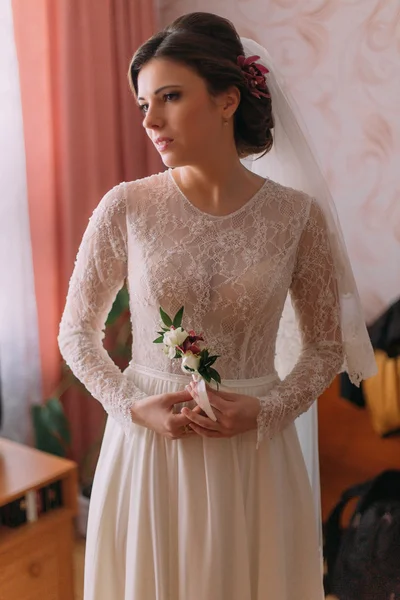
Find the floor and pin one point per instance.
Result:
(350, 452)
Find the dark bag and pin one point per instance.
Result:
(363, 560)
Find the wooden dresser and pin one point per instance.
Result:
(36, 557)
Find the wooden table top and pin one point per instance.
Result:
(24, 468)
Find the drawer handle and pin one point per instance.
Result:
(35, 569)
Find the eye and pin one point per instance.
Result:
(171, 96)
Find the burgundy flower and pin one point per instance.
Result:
(255, 75)
(194, 349)
(189, 345)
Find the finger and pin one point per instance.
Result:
(185, 434)
(218, 412)
(197, 408)
(206, 432)
(204, 422)
(226, 396)
(190, 390)
(178, 398)
(178, 421)
(180, 429)
(213, 398)
(219, 403)
(216, 399)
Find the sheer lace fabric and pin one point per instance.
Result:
(231, 273)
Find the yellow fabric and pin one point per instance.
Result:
(382, 394)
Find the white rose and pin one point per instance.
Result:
(175, 337)
(190, 361)
(171, 351)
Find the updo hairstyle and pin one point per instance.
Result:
(210, 45)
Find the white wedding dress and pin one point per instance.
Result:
(197, 518)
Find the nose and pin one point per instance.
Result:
(152, 118)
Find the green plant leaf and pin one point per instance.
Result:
(120, 305)
(211, 360)
(178, 318)
(165, 318)
(45, 439)
(159, 340)
(215, 375)
(59, 420)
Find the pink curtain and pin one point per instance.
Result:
(83, 135)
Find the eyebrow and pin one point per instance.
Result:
(164, 87)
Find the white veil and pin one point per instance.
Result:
(292, 162)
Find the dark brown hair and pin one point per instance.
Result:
(210, 45)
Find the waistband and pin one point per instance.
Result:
(184, 379)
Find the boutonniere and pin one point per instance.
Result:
(191, 349)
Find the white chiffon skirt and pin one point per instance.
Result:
(198, 518)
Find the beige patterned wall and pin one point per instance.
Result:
(341, 59)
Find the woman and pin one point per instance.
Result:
(186, 507)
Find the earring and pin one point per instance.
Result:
(226, 122)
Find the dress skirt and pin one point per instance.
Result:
(201, 518)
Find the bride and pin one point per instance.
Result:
(202, 492)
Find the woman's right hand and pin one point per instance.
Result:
(157, 413)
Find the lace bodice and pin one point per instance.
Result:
(232, 274)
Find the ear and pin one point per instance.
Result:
(228, 102)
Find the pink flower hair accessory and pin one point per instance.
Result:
(255, 75)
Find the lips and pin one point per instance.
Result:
(162, 143)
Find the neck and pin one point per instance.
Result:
(211, 177)
(218, 187)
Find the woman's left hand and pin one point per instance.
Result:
(236, 413)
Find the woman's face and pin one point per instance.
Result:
(185, 123)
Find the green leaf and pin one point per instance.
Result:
(178, 318)
(120, 305)
(59, 420)
(211, 360)
(45, 436)
(165, 318)
(159, 340)
(206, 376)
(204, 355)
(215, 375)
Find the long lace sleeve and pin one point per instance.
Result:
(99, 273)
(315, 300)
